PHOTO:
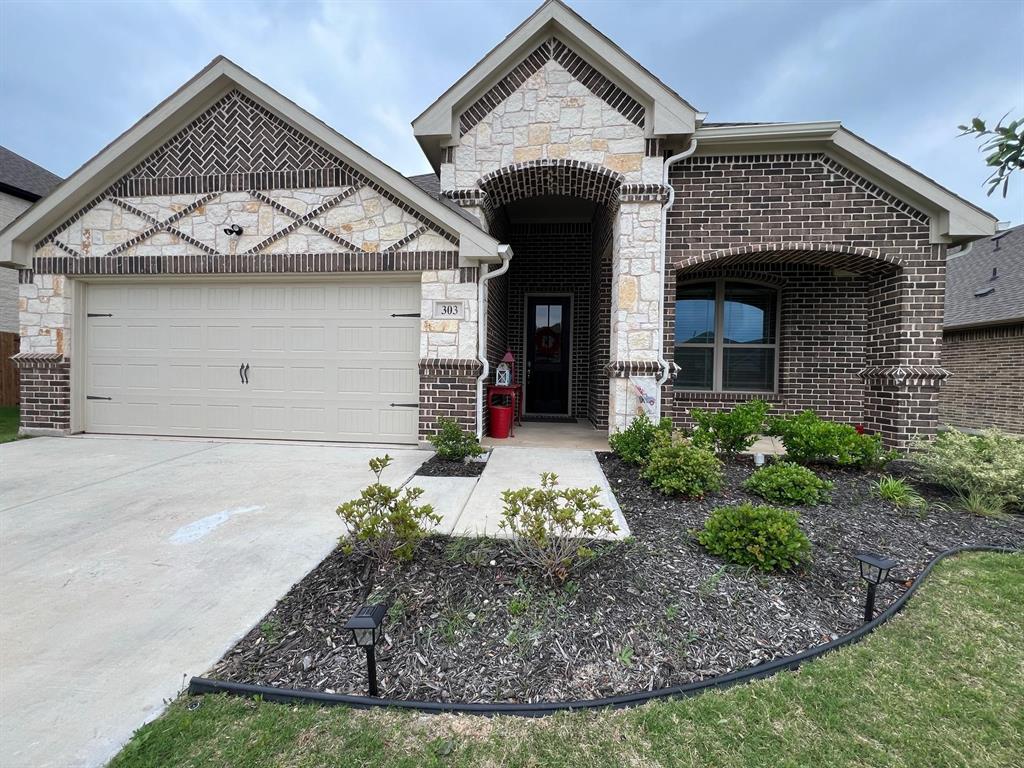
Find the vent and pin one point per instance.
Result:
(985, 291)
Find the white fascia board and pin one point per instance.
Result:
(953, 219)
(184, 105)
(671, 114)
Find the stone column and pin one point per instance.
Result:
(44, 362)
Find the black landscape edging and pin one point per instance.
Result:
(201, 685)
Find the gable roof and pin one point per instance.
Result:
(668, 114)
(953, 219)
(973, 296)
(23, 178)
(148, 134)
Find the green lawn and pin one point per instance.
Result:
(8, 423)
(941, 685)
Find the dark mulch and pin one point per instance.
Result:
(435, 466)
(468, 623)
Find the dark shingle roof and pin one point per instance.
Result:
(431, 184)
(973, 296)
(24, 178)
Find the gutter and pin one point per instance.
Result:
(666, 367)
(505, 254)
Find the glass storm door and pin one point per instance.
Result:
(547, 355)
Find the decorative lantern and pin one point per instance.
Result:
(365, 626)
(505, 374)
(874, 569)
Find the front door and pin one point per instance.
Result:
(547, 354)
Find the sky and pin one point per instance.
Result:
(900, 73)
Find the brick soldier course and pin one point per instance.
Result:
(557, 158)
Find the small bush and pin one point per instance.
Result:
(900, 493)
(809, 439)
(386, 521)
(767, 538)
(730, 432)
(786, 483)
(634, 443)
(677, 466)
(987, 466)
(978, 503)
(551, 526)
(452, 442)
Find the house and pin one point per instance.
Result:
(983, 337)
(231, 266)
(22, 182)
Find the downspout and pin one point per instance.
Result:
(666, 367)
(505, 254)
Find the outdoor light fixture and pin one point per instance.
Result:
(758, 459)
(234, 229)
(365, 626)
(874, 569)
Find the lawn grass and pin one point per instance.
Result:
(8, 423)
(940, 685)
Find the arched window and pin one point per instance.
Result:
(727, 336)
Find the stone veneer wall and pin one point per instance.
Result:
(806, 208)
(986, 384)
(553, 259)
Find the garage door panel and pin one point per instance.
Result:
(326, 361)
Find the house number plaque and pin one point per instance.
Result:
(449, 310)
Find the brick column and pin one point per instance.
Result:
(45, 393)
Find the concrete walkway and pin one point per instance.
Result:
(128, 565)
(473, 506)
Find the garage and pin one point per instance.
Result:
(300, 360)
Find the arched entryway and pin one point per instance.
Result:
(553, 306)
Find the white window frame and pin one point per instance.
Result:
(719, 345)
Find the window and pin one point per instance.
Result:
(726, 336)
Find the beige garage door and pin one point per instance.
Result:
(301, 361)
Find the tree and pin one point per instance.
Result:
(1005, 145)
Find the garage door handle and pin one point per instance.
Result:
(405, 405)
(246, 373)
(241, 373)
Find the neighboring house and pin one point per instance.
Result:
(983, 337)
(22, 182)
(231, 266)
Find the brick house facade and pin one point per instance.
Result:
(576, 200)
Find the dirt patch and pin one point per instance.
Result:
(468, 623)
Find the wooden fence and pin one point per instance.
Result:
(9, 393)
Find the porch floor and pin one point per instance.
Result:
(532, 434)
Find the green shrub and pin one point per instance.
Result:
(634, 443)
(900, 493)
(786, 483)
(551, 526)
(730, 432)
(768, 538)
(452, 442)
(677, 466)
(810, 439)
(386, 521)
(989, 465)
(979, 503)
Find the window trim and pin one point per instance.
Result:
(719, 345)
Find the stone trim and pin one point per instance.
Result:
(440, 366)
(905, 374)
(553, 50)
(467, 198)
(653, 147)
(623, 369)
(984, 333)
(265, 263)
(873, 189)
(725, 397)
(25, 276)
(469, 274)
(38, 359)
(644, 193)
(572, 178)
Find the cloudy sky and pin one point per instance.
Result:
(902, 74)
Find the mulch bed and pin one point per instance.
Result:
(435, 466)
(468, 623)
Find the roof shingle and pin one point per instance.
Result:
(23, 177)
(995, 263)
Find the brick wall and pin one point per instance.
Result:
(45, 392)
(600, 315)
(986, 385)
(447, 389)
(808, 213)
(553, 259)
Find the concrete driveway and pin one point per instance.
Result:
(128, 565)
